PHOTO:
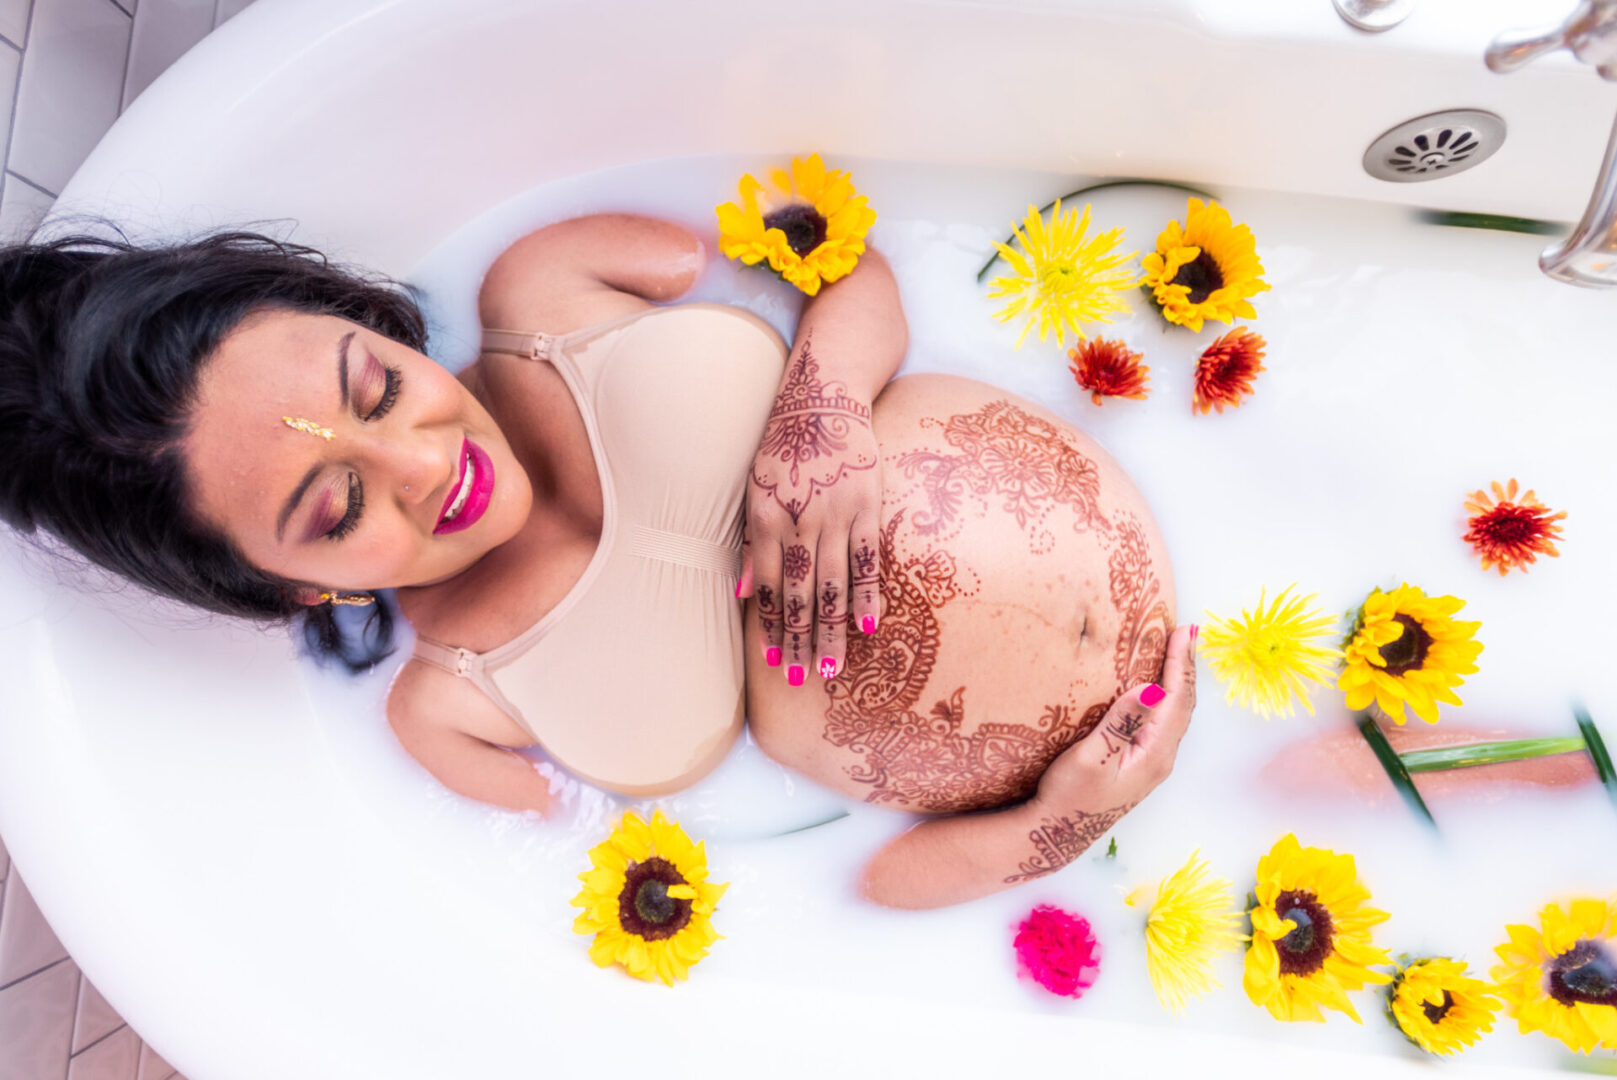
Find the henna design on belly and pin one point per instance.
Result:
(928, 762)
(795, 565)
(810, 419)
(1005, 451)
(1058, 841)
(1142, 639)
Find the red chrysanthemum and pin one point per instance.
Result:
(1109, 369)
(1226, 369)
(1509, 532)
(1058, 950)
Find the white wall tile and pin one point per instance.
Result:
(27, 942)
(36, 1022)
(227, 10)
(113, 1058)
(10, 61)
(22, 206)
(164, 31)
(71, 87)
(14, 21)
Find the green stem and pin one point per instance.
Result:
(1487, 753)
(1597, 751)
(1011, 239)
(1395, 767)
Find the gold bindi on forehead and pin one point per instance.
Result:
(300, 424)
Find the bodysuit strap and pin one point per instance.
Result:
(461, 662)
(527, 344)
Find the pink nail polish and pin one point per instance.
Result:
(1194, 630)
(828, 668)
(794, 675)
(868, 624)
(772, 657)
(1152, 696)
(738, 589)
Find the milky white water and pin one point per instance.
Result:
(1408, 365)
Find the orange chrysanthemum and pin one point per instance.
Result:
(1226, 369)
(1509, 532)
(1109, 369)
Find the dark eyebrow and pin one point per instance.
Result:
(342, 366)
(292, 503)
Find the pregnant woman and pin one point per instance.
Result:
(624, 529)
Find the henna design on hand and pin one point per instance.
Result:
(797, 619)
(1124, 731)
(768, 612)
(1058, 841)
(865, 577)
(810, 420)
(830, 593)
(1009, 452)
(796, 563)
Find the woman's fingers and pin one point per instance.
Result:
(831, 606)
(1170, 716)
(766, 562)
(865, 586)
(797, 609)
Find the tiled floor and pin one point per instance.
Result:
(54, 1025)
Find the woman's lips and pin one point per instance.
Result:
(478, 494)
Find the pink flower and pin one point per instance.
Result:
(1058, 951)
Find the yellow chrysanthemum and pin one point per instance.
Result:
(1062, 275)
(1406, 649)
(647, 900)
(1267, 657)
(1561, 978)
(809, 224)
(1310, 934)
(1193, 918)
(1439, 1007)
(1207, 270)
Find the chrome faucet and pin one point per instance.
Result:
(1588, 255)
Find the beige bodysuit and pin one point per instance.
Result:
(634, 680)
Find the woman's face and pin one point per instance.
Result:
(415, 485)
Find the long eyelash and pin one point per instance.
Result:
(390, 392)
(356, 506)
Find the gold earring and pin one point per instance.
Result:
(310, 426)
(353, 599)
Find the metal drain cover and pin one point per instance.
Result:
(1434, 146)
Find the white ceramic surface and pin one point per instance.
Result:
(183, 795)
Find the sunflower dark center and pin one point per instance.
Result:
(803, 226)
(1586, 972)
(644, 906)
(1304, 949)
(1408, 653)
(1436, 1013)
(1201, 276)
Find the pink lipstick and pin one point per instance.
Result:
(470, 495)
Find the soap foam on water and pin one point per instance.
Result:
(1407, 366)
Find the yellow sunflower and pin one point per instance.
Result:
(1310, 934)
(647, 900)
(1406, 649)
(1207, 270)
(1193, 918)
(809, 224)
(1268, 657)
(1062, 276)
(1439, 1007)
(1561, 978)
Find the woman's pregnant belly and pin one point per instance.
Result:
(1024, 587)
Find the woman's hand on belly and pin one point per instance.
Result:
(1084, 793)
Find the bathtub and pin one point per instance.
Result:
(181, 793)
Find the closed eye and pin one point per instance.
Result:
(391, 380)
(356, 507)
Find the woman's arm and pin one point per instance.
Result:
(463, 756)
(814, 495)
(577, 272)
(1082, 795)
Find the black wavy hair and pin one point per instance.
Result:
(102, 343)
